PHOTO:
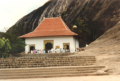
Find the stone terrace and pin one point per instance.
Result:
(30, 62)
(44, 66)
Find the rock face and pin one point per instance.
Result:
(101, 15)
(109, 41)
(52, 8)
(55, 8)
(30, 21)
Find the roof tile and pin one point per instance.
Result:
(50, 27)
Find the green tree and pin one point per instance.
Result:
(2, 43)
(4, 47)
(17, 45)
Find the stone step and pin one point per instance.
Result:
(43, 59)
(47, 61)
(55, 61)
(30, 66)
(44, 73)
(85, 67)
(48, 72)
(49, 76)
(41, 55)
(54, 69)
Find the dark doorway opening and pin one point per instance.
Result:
(48, 46)
(67, 47)
(31, 48)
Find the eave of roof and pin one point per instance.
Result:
(50, 27)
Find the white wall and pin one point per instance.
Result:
(76, 43)
(58, 41)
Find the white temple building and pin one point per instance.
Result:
(51, 33)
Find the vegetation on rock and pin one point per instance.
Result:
(81, 29)
(17, 28)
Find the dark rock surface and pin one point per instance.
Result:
(101, 15)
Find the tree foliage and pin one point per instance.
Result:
(4, 47)
(81, 29)
(17, 45)
(2, 43)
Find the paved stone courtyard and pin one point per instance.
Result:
(81, 78)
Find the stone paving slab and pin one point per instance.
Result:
(82, 78)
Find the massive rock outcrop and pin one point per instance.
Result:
(52, 8)
(29, 22)
(101, 15)
(55, 9)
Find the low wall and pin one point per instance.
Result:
(47, 61)
(40, 55)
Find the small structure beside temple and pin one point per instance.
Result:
(51, 33)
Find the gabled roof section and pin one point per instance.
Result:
(50, 27)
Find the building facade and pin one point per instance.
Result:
(52, 33)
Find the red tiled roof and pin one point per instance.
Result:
(50, 27)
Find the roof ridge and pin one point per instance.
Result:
(52, 30)
(63, 24)
(52, 17)
(66, 27)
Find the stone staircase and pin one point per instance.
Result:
(47, 62)
(43, 67)
(47, 72)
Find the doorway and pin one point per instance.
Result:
(48, 45)
(31, 47)
(66, 46)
